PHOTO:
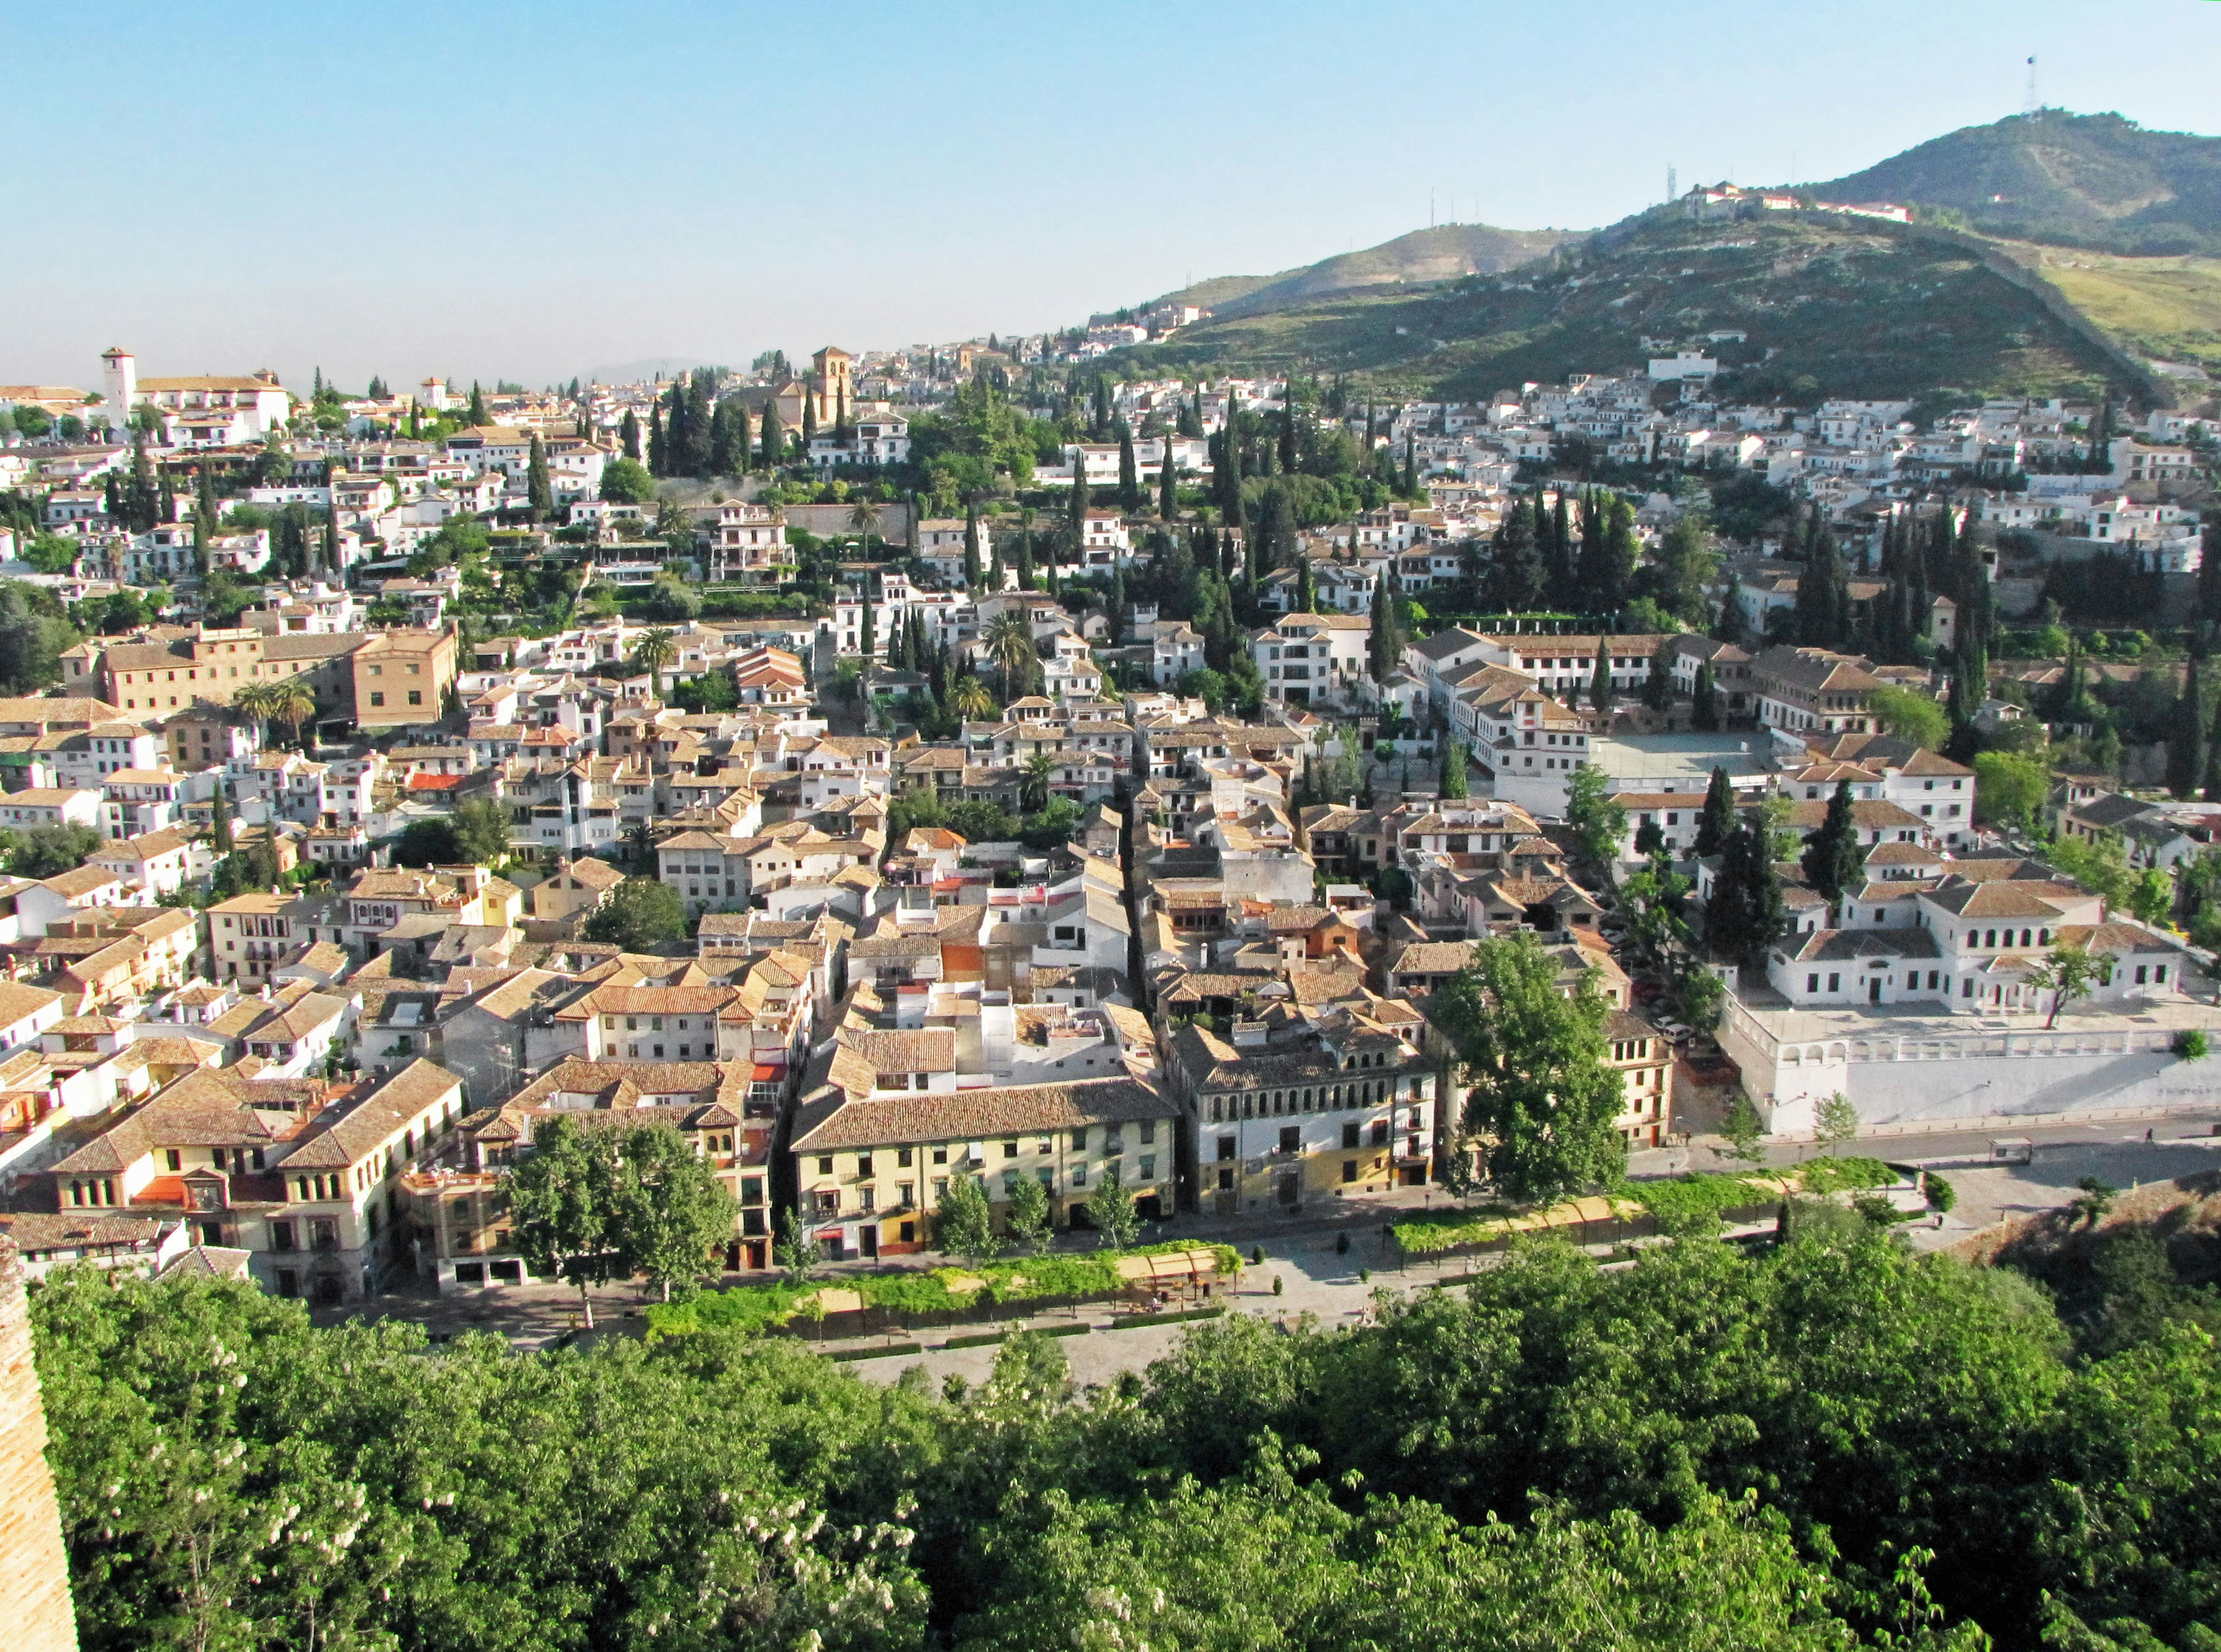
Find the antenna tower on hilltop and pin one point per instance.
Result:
(2029, 105)
(1672, 190)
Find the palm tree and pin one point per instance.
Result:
(970, 699)
(1033, 788)
(292, 703)
(864, 519)
(1009, 640)
(258, 701)
(655, 653)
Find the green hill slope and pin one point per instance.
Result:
(2077, 180)
(1423, 257)
(1831, 307)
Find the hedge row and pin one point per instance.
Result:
(911, 1290)
(1668, 1202)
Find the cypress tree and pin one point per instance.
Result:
(1076, 507)
(539, 491)
(2187, 731)
(657, 454)
(728, 446)
(478, 413)
(1130, 473)
(1600, 678)
(220, 821)
(1288, 429)
(1658, 686)
(1511, 578)
(774, 436)
(1411, 462)
(1278, 540)
(972, 547)
(1564, 587)
(628, 435)
(1384, 646)
(869, 645)
(2213, 773)
(1705, 702)
(1307, 593)
(2209, 571)
(809, 417)
(204, 492)
(1719, 821)
(1832, 859)
(1167, 484)
(1026, 558)
(331, 543)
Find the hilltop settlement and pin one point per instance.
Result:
(977, 774)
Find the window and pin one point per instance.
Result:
(1350, 1134)
(864, 1164)
(1079, 1140)
(825, 1164)
(940, 1157)
(1010, 1150)
(1226, 1148)
(1349, 1170)
(1291, 1139)
(902, 1158)
(376, 698)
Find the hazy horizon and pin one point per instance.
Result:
(532, 195)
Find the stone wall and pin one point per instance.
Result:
(34, 1595)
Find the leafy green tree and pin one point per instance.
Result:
(798, 1251)
(2010, 790)
(481, 832)
(964, 1221)
(1453, 786)
(1833, 860)
(640, 915)
(1597, 822)
(1542, 1098)
(565, 1201)
(2066, 971)
(1835, 1121)
(429, 843)
(1912, 716)
(2099, 864)
(1111, 1211)
(626, 481)
(673, 1213)
(49, 851)
(1742, 1130)
(1031, 1229)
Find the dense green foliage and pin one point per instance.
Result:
(641, 915)
(1703, 1450)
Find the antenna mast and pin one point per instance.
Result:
(2029, 105)
(1672, 190)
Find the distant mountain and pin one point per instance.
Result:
(1422, 257)
(2098, 181)
(1827, 307)
(629, 372)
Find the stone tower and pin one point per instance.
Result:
(34, 1593)
(119, 383)
(836, 386)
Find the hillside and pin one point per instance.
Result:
(1423, 257)
(2097, 181)
(1831, 308)
(2165, 307)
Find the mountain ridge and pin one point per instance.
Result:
(1418, 257)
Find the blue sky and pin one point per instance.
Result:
(531, 192)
